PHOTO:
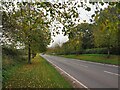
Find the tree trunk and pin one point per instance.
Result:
(29, 54)
(29, 47)
(33, 54)
(108, 53)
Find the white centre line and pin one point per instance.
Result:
(83, 65)
(95, 63)
(112, 73)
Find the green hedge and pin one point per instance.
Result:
(9, 52)
(101, 51)
(95, 51)
(114, 51)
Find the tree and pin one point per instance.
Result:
(86, 34)
(30, 28)
(106, 28)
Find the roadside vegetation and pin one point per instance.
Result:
(40, 74)
(11, 59)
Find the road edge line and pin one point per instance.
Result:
(68, 74)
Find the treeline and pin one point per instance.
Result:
(100, 37)
(66, 51)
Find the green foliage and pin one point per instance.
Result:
(73, 46)
(95, 51)
(33, 28)
(103, 33)
(28, 26)
(7, 28)
(80, 37)
(25, 24)
(106, 28)
(11, 58)
(86, 33)
(113, 51)
(106, 32)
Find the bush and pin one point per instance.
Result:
(9, 52)
(115, 51)
(101, 51)
(11, 57)
(95, 51)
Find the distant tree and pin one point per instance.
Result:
(86, 34)
(73, 46)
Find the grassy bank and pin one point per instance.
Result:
(100, 58)
(39, 74)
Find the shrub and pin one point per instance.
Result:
(95, 51)
(101, 51)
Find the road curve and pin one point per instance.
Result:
(92, 75)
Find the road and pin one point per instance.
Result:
(92, 75)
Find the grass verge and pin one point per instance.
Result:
(100, 58)
(39, 74)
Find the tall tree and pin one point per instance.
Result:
(30, 28)
(106, 28)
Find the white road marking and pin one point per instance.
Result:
(95, 63)
(112, 73)
(68, 74)
(84, 65)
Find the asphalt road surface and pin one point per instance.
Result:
(92, 75)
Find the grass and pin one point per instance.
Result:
(39, 74)
(100, 58)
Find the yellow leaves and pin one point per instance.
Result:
(107, 20)
(77, 42)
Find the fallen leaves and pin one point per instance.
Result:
(39, 74)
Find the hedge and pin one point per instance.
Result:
(101, 51)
